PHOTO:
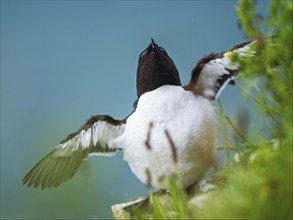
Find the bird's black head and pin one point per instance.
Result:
(155, 69)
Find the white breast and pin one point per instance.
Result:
(191, 122)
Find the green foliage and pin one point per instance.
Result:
(275, 99)
(167, 206)
(262, 189)
(260, 185)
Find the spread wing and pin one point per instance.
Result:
(214, 71)
(64, 161)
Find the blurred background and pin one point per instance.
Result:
(62, 61)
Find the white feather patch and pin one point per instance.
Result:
(215, 69)
(223, 87)
(100, 134)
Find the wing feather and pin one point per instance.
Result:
(64, 161)
(214, 71)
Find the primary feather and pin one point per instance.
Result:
(64, 161)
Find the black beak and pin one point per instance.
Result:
(154, 46)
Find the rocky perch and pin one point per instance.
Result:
(196, 197)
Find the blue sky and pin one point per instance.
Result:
(62, 61)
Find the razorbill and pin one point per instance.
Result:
(171, 130)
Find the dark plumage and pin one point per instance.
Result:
(155, 68)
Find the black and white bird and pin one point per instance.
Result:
(172, 128)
